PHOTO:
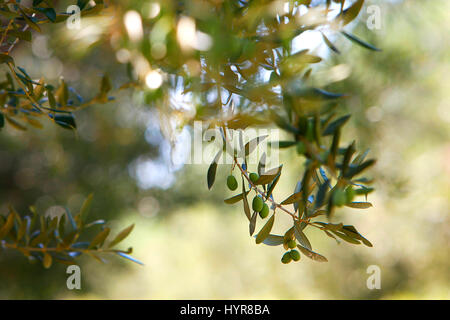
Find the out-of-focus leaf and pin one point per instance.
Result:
(320, 196)
(311, 254)
(283, 144)
(244, 197)
(252, 144)
(86, 207)
(7, 226)
(359, 41)
(273, 240)
(48, 12)
(359, 205)
(15, 124)
(29, 21)
(126, 256)
(252, 224)
(330, 44)
(47, 260)
(301, 237)
(122, 235)
(349, 14)
(67, 121)
(235, 198)
(211, 175)
(99, 238)
(333, 126)
(346, 238)
(352, 232)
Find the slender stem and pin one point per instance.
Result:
(276, 204)
(17, 39)
(32, 249)
(23, 87)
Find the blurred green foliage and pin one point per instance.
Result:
(186, 235)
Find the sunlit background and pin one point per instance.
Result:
(192, 244)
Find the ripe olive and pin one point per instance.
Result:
(301, 148)
(286, 258)
(232, 182)
(257, 204)
(295, 255)
(254, 177)
(265, 211)
(292, 244)
(350, 193)
(339, 197)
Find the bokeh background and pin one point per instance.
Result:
(196, 247)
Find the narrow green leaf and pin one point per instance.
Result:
(295, 197)
(300, 236)
(311, 254)
(47, 260)
(86, 207)
(235, 198)
(71, 219)
(252, 224)
(265, 231)
(273, 240)
(67, 121)
(6, 58)
(268, 176)
(336, 124)
(346, 238)
(126, 256)
(122, 235)
(272, 185)
(359, 205)
(359, 41)
(211, 175)
(246, 206)
(354, 170)
(330, 44)
(349, 14)
(7, 226)
(29, 21)
(99, 238)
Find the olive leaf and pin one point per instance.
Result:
(212, 170)
(122, 235)
(265, 230)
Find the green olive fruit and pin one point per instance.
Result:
(254, 177)
(301, 148)
(295, 255)
(257, 204)
(292, 244)
(286, 258)
(350, 193)
(264, 211)
(232, 182)
(310, 130)
(339, 197)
